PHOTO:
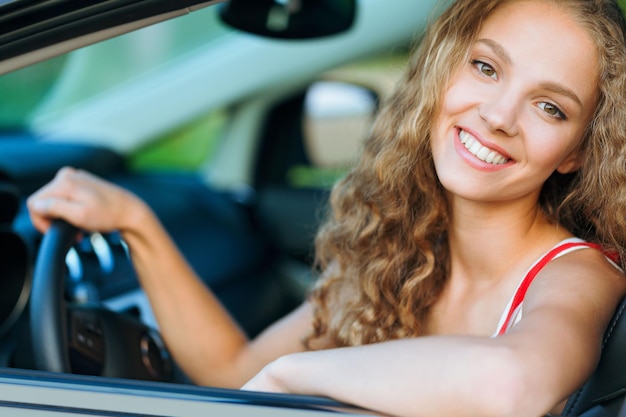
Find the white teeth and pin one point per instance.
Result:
(479, 151)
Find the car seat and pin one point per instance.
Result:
(604, 392)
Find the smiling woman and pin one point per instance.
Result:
(445, 253)
(507, 88)
(468, 262)
(442, 272)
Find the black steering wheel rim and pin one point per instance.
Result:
(86, 339)
(48, 308)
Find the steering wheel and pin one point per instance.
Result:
(86, 339)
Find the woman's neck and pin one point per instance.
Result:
(487, 240)
(491, 248)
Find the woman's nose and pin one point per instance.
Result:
(501, 112)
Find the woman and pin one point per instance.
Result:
(452, 273)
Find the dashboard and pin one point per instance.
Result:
(214, 230)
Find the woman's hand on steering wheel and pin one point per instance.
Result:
(84, 200)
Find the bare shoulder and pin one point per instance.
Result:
(570, 303)
(583, 270)
(584, 284)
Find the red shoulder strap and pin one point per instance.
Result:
(518, 298)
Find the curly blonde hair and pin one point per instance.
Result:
(383, 251)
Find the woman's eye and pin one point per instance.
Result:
(485, 68)
(552, 110)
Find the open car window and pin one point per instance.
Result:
(234, 140)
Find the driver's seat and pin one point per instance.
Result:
(604, 393)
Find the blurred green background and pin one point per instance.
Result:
(26, 93)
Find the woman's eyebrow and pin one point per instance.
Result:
(497, 49)
(562, 90)
(548, 85)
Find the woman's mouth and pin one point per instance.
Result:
(479, 151)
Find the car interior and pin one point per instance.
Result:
(284, 124)
(244, 216)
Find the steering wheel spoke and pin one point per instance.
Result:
(86, 339)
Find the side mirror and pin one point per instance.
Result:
(337, 118)
(290, 19)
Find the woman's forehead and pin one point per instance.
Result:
(546, 42)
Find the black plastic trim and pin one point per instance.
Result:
(26, 26)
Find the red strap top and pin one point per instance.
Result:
(512, 311)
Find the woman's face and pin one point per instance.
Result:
(517, 110)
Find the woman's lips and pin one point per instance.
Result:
(480, 151)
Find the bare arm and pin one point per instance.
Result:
(200, 334)
(543, 359)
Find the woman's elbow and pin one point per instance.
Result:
(509, 388)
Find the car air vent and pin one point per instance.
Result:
(14, 260)
(9, 202)
(16, 278)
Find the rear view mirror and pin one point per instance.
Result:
(290, 19)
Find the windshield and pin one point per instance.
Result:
(34, 95)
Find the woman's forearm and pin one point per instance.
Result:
(428, 376)
(198, 331)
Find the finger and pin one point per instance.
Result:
(40, 223)
(44, 209)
